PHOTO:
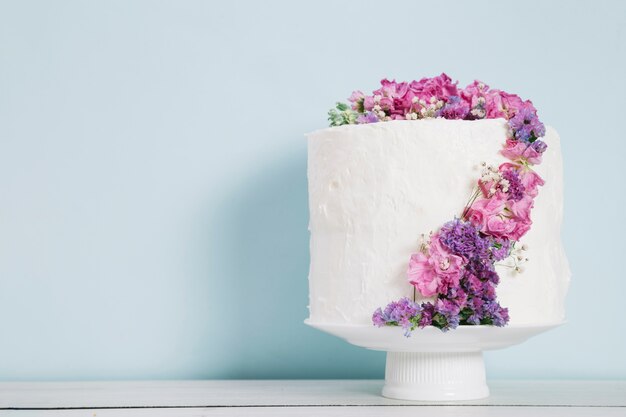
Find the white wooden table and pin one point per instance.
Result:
(299, 398)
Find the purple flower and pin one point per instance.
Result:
(500, 249)
(462, 238)
(458, 295)
(368, 117)
(378, 319)
(539, 146)
(495, 314)
(446, 314)
(455, 108)
(403, 313)
(428, 311)
(516, 188)
(525, 124)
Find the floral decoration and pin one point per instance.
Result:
(455, 265)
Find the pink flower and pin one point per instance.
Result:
(484, 209)
(386, 103)
(511, 103)
(531, 181)
(356, 96)
(496, 216)
(440, 87)
(520, 217)
(422, 274)
(499, 226)
(519, 230)
(392, 89)
(473, 92)
(520, 151)
(529, 178)
(494, 106)
(436, 271)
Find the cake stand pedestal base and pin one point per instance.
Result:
(435, 376)
(432, 365)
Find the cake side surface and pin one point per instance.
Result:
(375, 188)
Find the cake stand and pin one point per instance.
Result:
(431, 365)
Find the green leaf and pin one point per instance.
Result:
(342, 106)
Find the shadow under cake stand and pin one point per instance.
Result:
(431, 365)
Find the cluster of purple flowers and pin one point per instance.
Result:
(478, 283)
(515, 187)
(404, 313)
(463, 239)
(472, 302)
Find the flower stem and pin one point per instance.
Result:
(470, 202)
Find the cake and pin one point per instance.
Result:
(404, 166)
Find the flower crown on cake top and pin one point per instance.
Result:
(454, 267)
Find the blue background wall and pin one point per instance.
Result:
(153, 204)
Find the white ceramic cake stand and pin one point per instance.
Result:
(431, 365)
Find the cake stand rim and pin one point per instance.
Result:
(431, 339)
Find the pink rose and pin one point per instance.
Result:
(436, 272)
(516, 151)
(485, 208)
(499, 226)
(496, 216)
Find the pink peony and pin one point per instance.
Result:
(519, 151)
(436, 271)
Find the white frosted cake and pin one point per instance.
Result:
(375, 188)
